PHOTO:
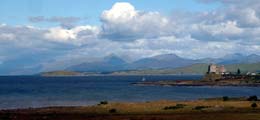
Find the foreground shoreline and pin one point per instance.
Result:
(203, 109)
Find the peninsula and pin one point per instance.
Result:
(215, 76)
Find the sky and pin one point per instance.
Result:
(46, 35)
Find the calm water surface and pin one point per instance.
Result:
(36, 91)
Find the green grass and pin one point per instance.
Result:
(60, 73)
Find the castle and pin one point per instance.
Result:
(212, 68)
(215, 72)
(219, 73)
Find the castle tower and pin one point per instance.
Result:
(222, 69)
(213, 68)
(213, 73)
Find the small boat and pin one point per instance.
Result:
(143, 79)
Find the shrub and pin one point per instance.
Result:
(112, 110)
(252, 98)
(178, 106)
(253, 105)
(171, 107)
(103, 103)
(225, 98)
(200, 107)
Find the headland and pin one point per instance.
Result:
(215, 76)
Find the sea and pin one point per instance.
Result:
(36, 91)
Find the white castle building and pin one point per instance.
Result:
(216, 69)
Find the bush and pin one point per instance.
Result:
(112, 110)
(171, 107)
(252, 98)
(225, 98)
(178, 106)
(200, 107)
(253, 105)
(103, 103)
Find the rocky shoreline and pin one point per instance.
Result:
(233, 83)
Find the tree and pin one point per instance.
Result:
(208, 69)
(112, 110)
(225, 98)
(252, 98)
(238, 71)
(253, 105)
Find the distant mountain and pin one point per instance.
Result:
(174, 61)
(232, 59)
(166, 61)
(191, 69)
(238, 58)
(202, 68)
(109, 63)
(161, 61)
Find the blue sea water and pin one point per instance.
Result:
(37, 91)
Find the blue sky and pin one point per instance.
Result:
(17, 12)
(45, 35)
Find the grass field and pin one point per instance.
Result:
(211, 109)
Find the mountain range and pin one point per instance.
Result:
(107, 64)
(166, 61)
(200, 68)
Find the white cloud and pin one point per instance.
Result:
(123, 23)
(7, 36)
(227, 28)
(76, 35)
(60, 34)
(216, 32)
(245, 12)
(120, 12)
(249, 17)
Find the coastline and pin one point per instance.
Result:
(225, 82)
(119, 75)
(194, 85)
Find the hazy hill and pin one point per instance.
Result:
(167, 61)
(61, 73)
(161, 61)
(193, 69)
(109, 63)
(200, 68)
(238, 58)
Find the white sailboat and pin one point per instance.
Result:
(143, 79)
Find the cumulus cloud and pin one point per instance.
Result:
(76, 35)
(124, 23)
(21, 36)
(232, 22)
(223, 29)
(245, 12)
(7, 36)
(220, 31)
(60, 34)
